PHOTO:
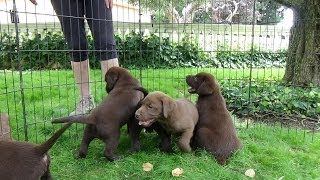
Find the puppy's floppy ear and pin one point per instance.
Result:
(167, 106)
(204, 88)
(111, 78)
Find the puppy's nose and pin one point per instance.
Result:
(137, 115)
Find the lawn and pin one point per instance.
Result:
(271, 150)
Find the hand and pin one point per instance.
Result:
(108, 3)
(35, 2)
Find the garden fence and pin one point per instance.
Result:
(247, 58)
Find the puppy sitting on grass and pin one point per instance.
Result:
(176, 116)
(215, 131)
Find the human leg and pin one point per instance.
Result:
(71, 17)
(100, 22)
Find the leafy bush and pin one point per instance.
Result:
(48, 50)
(271, 97)
(239, 59)
(155, 52)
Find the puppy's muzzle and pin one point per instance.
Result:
(137, 115)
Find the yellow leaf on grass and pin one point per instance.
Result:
(250, 173)
(177, 172)
(147, 167)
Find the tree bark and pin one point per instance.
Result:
(303, 62)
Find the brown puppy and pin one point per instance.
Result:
(22, 160)
(105, 121)
(215, 131)
(176, 116)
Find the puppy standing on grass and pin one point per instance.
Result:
(22, 160)
(215, 131)
(176, 116)
(116, 110)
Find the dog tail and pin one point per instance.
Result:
(44, 148)
(143, 90)
(74, 119)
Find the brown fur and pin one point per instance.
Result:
(117, 109)
(177, 116)
(22, 160)
(215, 131)
(5, 132)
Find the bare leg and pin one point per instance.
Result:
(107, 64)
(82, 78)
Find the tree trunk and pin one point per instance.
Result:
(303, 62)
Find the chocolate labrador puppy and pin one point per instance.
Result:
(215, 131)
(176, 116)
(116, 110)
(23, 160)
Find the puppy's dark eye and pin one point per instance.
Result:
(149, 106)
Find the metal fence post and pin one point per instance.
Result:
(251, 56)
(15, 20)
(140, 43)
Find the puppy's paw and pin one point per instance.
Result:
(134, 150)
(135, 147)
(112, 157)
(184, 147)
(166, 149)
(221, 160)
(81, 155)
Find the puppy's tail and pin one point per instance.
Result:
(74, 119)
(143, 90)
(44, 148)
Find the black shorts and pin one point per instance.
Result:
(72, 13)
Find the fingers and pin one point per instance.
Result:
(34, 2)
(109, 3)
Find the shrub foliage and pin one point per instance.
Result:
(48, 50)
(271, 97)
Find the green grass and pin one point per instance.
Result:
(53, 93)
(272, 151)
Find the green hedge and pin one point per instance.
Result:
(255, 58)
(271, 97)
(47, 50)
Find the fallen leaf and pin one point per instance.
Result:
(177, 172)
(250, 173)
(147, 167)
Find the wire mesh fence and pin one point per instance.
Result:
(246, 55)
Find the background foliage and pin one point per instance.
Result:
(47, 50)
